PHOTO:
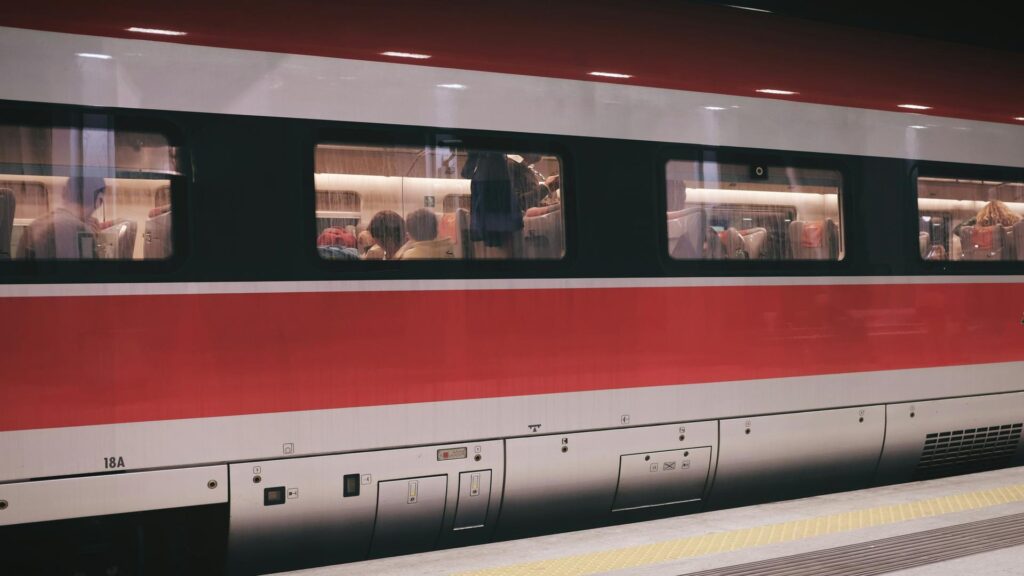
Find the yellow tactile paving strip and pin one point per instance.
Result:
(713, 543)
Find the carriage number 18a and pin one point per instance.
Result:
(113, 462)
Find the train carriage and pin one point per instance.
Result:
(279, 293)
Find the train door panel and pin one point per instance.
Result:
(313, 511)
(473, 505)
(564, 481)
(409, 514)
(114, 493)
(783, 456)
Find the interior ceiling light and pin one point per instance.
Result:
(96, 56)
(610, 74)
(1019, 118)
(412, 55)
(713, 108)
(156, 31)
(915, 107)
(452, 86)
(779, 92)
(919, 127)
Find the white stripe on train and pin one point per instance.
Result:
(43, 67)
(312, 286)
(195, 441)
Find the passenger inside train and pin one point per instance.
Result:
(337, 244)
(364, 241)
(387, 229)
(453, 203)
(720, 211)
(423, 244)
(970, 219)
(84, 193)
(68, 232)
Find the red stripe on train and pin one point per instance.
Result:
(96, 360)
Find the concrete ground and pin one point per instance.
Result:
(687, 544)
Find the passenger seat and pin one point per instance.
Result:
(7, 205)
(1018, 240)
(158, 234)
(542, 236)
(733, 243)
(814, 239)
(448, 227)
(714, 248)
(116, 240)
(983, 242)
(744, 244)
(686, 233)
(956, 250)
(754, 239)
(1010, 243)
(462, 231)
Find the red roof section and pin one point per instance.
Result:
(662, 44)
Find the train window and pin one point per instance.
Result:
(970, 219)
(79, 193)
(720, 211)
(437, 203)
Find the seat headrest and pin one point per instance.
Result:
(542, 210)
(684, 212)
(334, 236)
(982, 237)
(812, 235)
(753, 241)
(159, 210)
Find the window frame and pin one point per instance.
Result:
(343, 133)
(47, 116)
(852, 260)
(931, 169)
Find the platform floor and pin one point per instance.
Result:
(727, 538)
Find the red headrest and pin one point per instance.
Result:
(448, 227)
(981, 236)
(813, 234)
(336, 237)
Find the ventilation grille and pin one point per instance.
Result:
(970, 450)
